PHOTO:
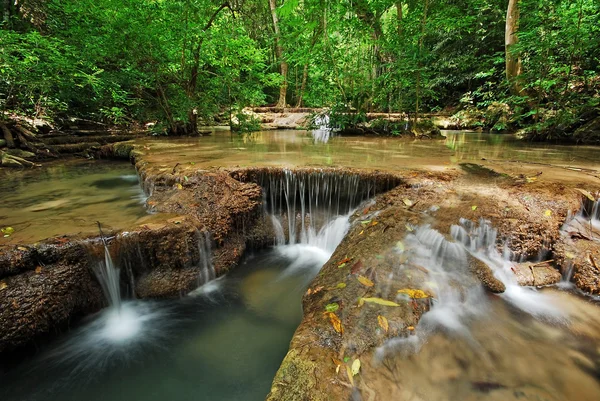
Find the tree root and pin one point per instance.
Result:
(10, 142)
(7, 160)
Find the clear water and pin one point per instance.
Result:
(223, 342)
(69, 198)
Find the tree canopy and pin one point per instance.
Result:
(533, 63)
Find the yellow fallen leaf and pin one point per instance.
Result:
(355, 367)
(570, 255)
(586, 194)
(350, 376)
(414, 294)
(411, 328)
(362, 232)
(548, 213)
(409, 227)
(365, 281)
(378, 301)
(336, 323)
(38, 269)
(383, 323)
(179, 186)
(21, 248)
(341, 286)
(375, 223)
(407, 202)
(474, 207)
(3, 285)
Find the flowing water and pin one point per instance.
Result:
(68, 199)
(300, 148)
(523, 344)
(225, 340)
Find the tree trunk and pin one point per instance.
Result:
(400, 17)
(5, 12)
(419, 51)
(303, 85)
(279, 53)
(513, 61)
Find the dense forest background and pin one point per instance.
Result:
(516, 63)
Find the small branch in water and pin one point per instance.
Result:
(101, 233)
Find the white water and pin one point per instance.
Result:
(459, 300)
(305, 202)
(323, 132)
(108, 276)
(207, 269)
(120, 322)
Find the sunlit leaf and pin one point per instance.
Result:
(179, 186)
(336, 323)
(408, 202)
(341, 286)
(3, 285)
(7, 231)
(365, 222)
(548, 213)
(38, 269)
(586, 194)
(355, 367)
(332, 307)
(474, 207)
(383, 323)
(400, 246)
(414, 294)
(570, 255)
(379, 301)
(365, 281)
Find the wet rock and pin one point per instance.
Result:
(486, 276)
(45, 300)
(581, 260)
(536, 274)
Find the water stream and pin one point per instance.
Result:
(226, 339)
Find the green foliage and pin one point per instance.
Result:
(243, 123)
(159, 60)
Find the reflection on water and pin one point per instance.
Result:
(69, 198)
(224, 343)
(300, 148)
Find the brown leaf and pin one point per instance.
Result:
(38, 270)
(357, 267)
(336, 323)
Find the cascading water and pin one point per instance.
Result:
(108, 276)
(459, 299)
(207, 269)
(323, 132)
(305, 202)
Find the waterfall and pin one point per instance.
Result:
(207, 269)
(306, 202)
(108, 276)
(323, 132)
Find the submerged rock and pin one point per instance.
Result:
(485, 274)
